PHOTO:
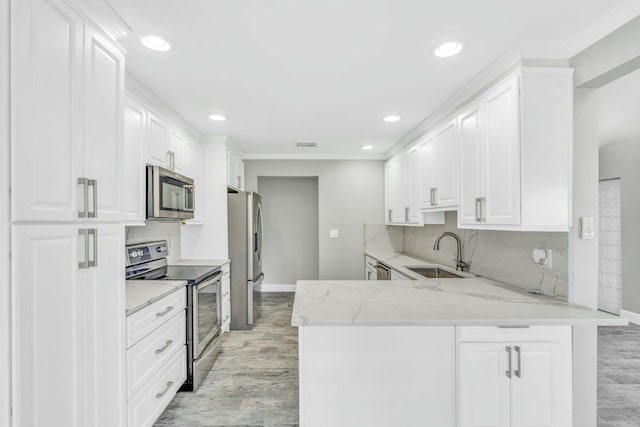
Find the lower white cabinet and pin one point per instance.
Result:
(156, 357)
(68, 325)
(516, 377)
(370, 272)
(226, 297)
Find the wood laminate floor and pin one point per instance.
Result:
(619, 376)
(254, 382)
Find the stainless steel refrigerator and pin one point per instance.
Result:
(245, 251)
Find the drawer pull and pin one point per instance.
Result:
(167, 344)
(166, 389)
(162, 313)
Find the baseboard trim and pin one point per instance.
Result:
(277, 288)
(630, 316)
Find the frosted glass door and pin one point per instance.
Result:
(610, 247)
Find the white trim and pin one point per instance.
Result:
(603, 26)
(630, 316)
(312, 156)
(544, 50)
(5, 217)
(100, 14)
(276, 288)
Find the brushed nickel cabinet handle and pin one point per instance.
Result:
(85, 188)
(94, 187)
(84, 264)
(166, 389)
(477, 209)
(407, 212)
(164, 347)
(508, 371)
(518, 371)
(93, 232)
(162, 313)
(483, 209)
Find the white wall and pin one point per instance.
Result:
(290, 218)
(5, 224)
(350, 193)
(622, 161)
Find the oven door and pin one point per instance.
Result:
(169, 195)
(206, 314)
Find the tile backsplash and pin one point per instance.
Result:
(505, 256)
(157, 230)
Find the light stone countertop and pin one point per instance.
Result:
(202, 262)
(142, 293)
(468, 301)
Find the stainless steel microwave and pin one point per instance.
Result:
(170, 196)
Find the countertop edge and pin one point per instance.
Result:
(176, 285)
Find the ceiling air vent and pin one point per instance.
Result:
(306, 145)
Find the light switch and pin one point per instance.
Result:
(333, 233)
(587, 228)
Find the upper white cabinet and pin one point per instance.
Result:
(509, 379)
(194, 168)
(158, 140)
(515, 161)
(235, 171)
(402, 189)
(135, 132)
(67, 95)
(439, 168)
(177, 147)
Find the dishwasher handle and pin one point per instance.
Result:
(383, 272)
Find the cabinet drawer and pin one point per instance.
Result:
(146, 358)
(507, 334)
(141, 323)
(145, 407)
(226, 268)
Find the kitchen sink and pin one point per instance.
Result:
(433, 272)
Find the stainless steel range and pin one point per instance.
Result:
(147, 261)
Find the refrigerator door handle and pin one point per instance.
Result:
(250, 287)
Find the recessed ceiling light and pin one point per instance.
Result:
(391, 118)
(217, 117)
(448, 49)
(156, 42)
(367, 147)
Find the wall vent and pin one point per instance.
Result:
(306, 144)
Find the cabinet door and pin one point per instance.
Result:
(177, 148)
(46, 80)
(502, 155)
(471, 160)
(135, 117)
(411, 186)
(429, 172)
(48, 326)
(103, 310)
(194, 169)
(158, 141)
(104, 139)
(541, 387)
(395, 190)
(447, 166)
(484, 390)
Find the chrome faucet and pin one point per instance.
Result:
(460, 265)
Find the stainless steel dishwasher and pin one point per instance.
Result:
(383, 271)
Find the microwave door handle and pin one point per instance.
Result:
(188, 189)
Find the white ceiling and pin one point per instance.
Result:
(619, 104)
(326, 71)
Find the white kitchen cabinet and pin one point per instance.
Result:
(156, 357)
(370, 272)
(514, 378)
(490, 168)
(226, 297)
(135, 132)
(439, 169)
(515, 142)
(68, 325)
(158, 140)
(396, 275)
(194, 168)
(235, 170)
(67, 143)
(402, 189)
(177, 146)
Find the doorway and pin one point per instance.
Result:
(610, 247)
(291, 236)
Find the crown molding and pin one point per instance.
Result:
(544, 50)
(142, 94)
(603, 26)
(103, 16)
(309, 156)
